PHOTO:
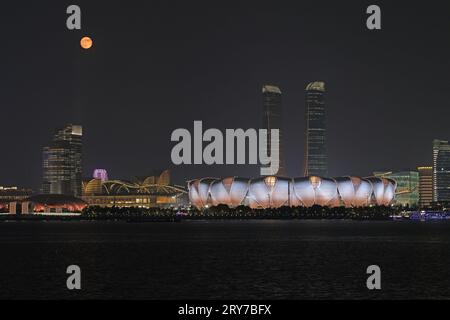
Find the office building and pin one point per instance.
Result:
(272, 119)
(425, 186)
(61, 163)
(441, 171)
(316, 160)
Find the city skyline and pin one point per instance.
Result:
(271, 102)
(62, 173)
(129, 98)
(225, 158)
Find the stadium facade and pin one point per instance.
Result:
(275, 192)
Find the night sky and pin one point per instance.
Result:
(160, 65)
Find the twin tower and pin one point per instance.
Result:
(316, 162)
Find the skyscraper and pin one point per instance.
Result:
(425, 186)
(316, 160)
(61, 162)
(272, 119)
(441, 171)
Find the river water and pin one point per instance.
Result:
(268, 259)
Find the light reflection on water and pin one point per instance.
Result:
(225, 260)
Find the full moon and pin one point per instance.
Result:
(86, 42)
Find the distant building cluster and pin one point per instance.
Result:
(62, 182)
(429, 184)
(275, 192)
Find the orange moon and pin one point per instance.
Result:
(86, 42)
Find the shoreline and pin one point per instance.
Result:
(40, 218)
(223, 218)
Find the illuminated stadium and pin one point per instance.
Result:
(275, 192)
